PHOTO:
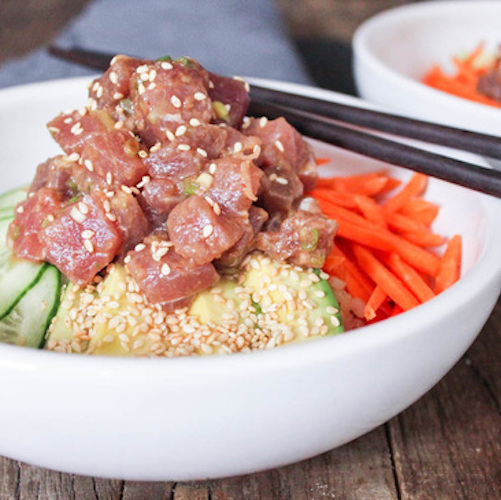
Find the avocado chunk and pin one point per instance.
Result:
(262, 305)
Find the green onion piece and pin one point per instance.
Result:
(127, 105)
(191, 188)
(163, 58)
(221, 110)
(311, 245)
(186, 62)
(257, 307)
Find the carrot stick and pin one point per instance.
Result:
(380, 239)
(414, 187)
(345, 200)
(384, 278)
(376, 299)
(403, 223)
(338, 213)
(367, 184)
(414, 282)
(450, 264)
(322, 161)
(420, 210)
(371, 210)
(425, 238)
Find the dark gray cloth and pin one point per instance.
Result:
(232, 37)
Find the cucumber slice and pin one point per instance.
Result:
(17, 277)
(28, 321)
(4, 227)
(11, 198)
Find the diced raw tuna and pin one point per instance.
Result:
(31, 216)
(280, 188)
(304, 239)
(198, 233)
(233, 257)
(167, 94)
(158, 198)
(114, 85)
(56, 173)
(115, 153)
(72, 130)
(283, 146)
(130, 219)
(235, 184)
(175, 161)
(165, 277)
(232, 93)
(82, 240)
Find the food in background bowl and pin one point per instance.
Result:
(477, 77)
(179, 226)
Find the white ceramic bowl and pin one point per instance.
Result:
(180, 419)
(394, 50)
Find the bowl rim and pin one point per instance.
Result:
(386, 19)
(485, 272)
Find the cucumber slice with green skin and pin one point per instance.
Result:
(17, 277)
(29, 320)
(4, 227)
(10, 199)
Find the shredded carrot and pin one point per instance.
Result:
(376, 300)
(322, 161)
(380, 247)
(414, 282)
(420, 210)
(371, 210)
(450, 265)
(463, 83)
(414, 187)
(384, 278)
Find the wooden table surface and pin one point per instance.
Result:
(446, 446)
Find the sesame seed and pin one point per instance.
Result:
(207, 230)
(166, 65)
(127, 259)
(194, 122)
(216, 208)
(170, 135)
(20, 209)
(205, 180)
(74, 157)
(88, 165)
(165, 270)
(141, 89)
(87, 234)
(113, 77)
(118, 96)
(199, 96)
(279, 146)
(56, 130)
(212, 168)
(175, 101)
(89, 246)
(109, 178)
(155, 147)
(263, 121)
(202, 152)
(142, 69)
(111, 217)
(282, 180)
(320, 293)
(184, 147)
(142, 154)
(335, 321)
(144, 77)
(76, 215)
(139, 247)
(83, 207)
(181, 130)
(237, 147)
(331, 310)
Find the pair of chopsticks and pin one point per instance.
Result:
(314, 118)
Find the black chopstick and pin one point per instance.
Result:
(465, 174)
(299, 111)
(474, 142)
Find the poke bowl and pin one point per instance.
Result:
(201, 417)
(395, 50)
